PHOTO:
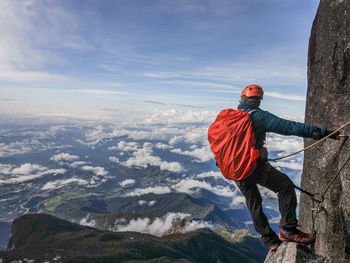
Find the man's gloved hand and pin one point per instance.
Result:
(335, 136)
(317, 135)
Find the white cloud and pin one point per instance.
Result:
(143, 158)
(76, 164)
(114, 159)
(286, 144)
(100, 92)
(148, 190)
(285, 96)
(162, 225)
(96, 170)
(125, 146)
(87, 221)
(291, 165)
(64, 157)
(127, 182)
(210, 174)
(61, 183)
(25, 172)
(238, 201)
(95, 135)
(191, 185)
(25, 146)
(203, 154)
(162, 146)
(172, 116)
(144, 202)
(28, 168)
(30, 33)
(15, 148)
(31, 76)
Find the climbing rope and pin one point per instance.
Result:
(312, 145)
(317, 209)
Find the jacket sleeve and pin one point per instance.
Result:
(272, 123)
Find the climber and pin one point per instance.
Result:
(268, 176)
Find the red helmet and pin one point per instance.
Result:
(253, 91)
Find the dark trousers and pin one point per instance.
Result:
(269, 177)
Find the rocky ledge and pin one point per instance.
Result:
(296, 253)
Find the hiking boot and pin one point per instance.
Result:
(297, 236)
(274, 247)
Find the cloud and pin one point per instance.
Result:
(96, 170)
(25, 172)
(14, 148)
(87, 221)
(160, 145)
(31, 35)
(31, 76)
(148, 190)
(286, 144)
(144, 202)
(203, 154)
(291, 165)
(61, 183)
(100, 92)
(179, 117)
(114, 159)
(28, 168)
(143, 158)
(125, 146)
(127, 182)
(210, 174)
(76, 164)
(64, 157)
(162, 225)
(28, 144)
(191, 186)
(285, 96)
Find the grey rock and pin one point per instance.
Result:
(294, 253)
(328, 104)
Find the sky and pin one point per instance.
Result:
(112, 58)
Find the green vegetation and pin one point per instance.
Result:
(52, 203)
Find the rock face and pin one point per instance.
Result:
(293, 252)
(328, 104)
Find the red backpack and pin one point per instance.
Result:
(232, 141)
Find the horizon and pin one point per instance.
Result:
(112, 59)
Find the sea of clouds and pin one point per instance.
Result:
(175, 142)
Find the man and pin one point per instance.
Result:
(269, 177)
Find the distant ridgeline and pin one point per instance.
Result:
(44, 238)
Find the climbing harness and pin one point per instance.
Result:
(314, 144)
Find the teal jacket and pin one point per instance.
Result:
(264, 121)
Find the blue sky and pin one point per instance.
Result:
(65, 57)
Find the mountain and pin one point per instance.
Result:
(44, 237)
(104, 212)
(328, 104)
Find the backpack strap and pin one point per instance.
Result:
(252, 111)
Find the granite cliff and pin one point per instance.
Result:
(328, 104)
